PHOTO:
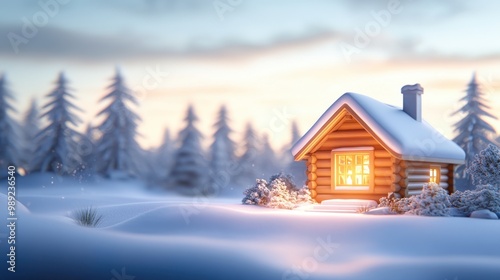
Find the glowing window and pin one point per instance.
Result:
(434, 174)
(352, 170)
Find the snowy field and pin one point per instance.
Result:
(157, 235)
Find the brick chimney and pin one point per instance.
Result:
(412, 101)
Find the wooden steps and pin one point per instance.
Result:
(339, 206)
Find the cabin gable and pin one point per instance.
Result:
(348, 139)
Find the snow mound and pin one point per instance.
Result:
(20, 208)
(381, 211)
(189, 218)
(454, 212)
(116, 214)
(484, 214)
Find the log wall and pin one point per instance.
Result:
(415, 174)
(349, 134)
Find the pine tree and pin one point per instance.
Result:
(9, 148)
(29, 129)
(286, 157)
(296, 168)
(164, 157)
(57, 142)
(247, 165)
(222, 150)
(295, 132)
(117, 149)
(473, 132)
(268, 162)
(87, 151)
(189, 171)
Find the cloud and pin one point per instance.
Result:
(425, 11)
(160, 7)
(52, 42)
(57, 43)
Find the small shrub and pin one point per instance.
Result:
(87, 217)
(397, 205)
(280, 196)
(304, 196)
(385, 202)
(433, 201)
(287, 179)
(485, 167)
(280, 192)
(402, 205)
(258, 194)
(482, 197)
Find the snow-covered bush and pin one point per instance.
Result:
(397, 205)
(433, 201)
(258, 194)
(402, 205)
(280, 196)
(287, 179)
(482, 197)
(280, 192)
(304, 196)
(485, 168)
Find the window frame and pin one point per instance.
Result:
(352, 151)
(438, 173)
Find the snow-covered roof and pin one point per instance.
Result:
(402, 135)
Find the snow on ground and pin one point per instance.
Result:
(161, 235)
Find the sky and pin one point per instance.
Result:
(269, 62)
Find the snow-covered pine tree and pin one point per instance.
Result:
(190, 170)
(164, 157)
(285, 156)
(57, 142)
(474, 133)
(119, 154)
(296, 168)
(222, 158)
(9, 147)
(268, 163)
(248, 170)
(29, 129)
(295, 132)
(86, 149)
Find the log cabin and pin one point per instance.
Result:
(361, 148)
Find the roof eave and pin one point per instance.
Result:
(432, 159)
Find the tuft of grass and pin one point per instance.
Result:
(363, 209)
(87, 217)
